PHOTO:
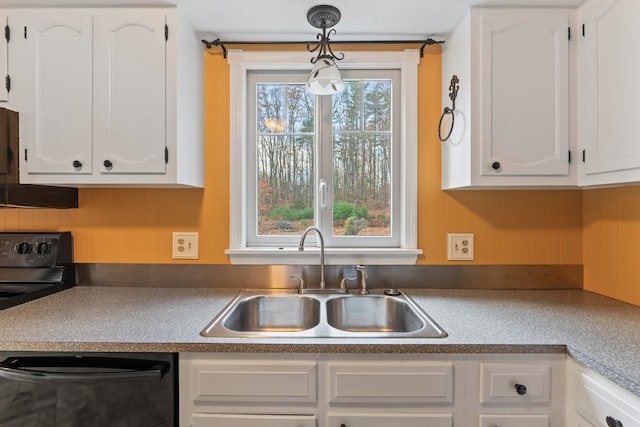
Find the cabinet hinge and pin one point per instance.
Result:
(7, 33)
(584, 156)
(7, 83)
(166, 155)
(166, 32)
(25, 154)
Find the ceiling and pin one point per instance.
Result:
(286, 20)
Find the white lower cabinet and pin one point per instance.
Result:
(371, 390)
(387, 420)
(240, 420)
(523, 391)
(594, 401)
(514, 421)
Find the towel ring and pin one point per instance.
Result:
(453, 94)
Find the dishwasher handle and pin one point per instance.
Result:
(82, 369)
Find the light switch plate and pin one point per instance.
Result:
(460, 247)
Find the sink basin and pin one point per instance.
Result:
(372, 313)
(264, 313)
(274, 313)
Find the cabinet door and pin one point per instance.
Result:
(514, 420)
(130, 70)
(609, 128)
(389, 419)
(54, 75)
(241, 420)
(525, 94)
(4, 61)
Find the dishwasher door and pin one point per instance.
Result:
(88, 389)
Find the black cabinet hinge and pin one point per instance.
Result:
(166, 32)
(7, 83)
(166, 155)
(584, 156)
(7, 33)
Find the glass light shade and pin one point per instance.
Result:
(325, 78)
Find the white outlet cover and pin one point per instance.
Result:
(185, 245)
(460, 247)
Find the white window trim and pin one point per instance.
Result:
(240, 63)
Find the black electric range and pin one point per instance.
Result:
(33, 265)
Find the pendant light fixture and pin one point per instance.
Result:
(325, 78)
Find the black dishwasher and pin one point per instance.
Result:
(88, 389)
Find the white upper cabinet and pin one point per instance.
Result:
(54, 82)
(4, 59)
(98, 91)
(511, 121)
(608, 125)
(130, 133)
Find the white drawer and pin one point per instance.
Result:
(240, 420)
(597, 399)
(514, 420)
(390, 383)
(386, 420)
(500, 383)
(260, 381)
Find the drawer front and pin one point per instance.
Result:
(514, 420)
(516, 383)
(268, 381)
(240, 420)
(596, 401)
(388, 383)
(387, 420)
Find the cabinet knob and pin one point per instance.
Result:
(521, 389)
(495, 165)
(77, 164)
(107, 164)
(612, 422)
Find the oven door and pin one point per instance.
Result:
(88, 389)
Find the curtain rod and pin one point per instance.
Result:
(424, 43)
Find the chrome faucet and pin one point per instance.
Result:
(362, 276)
(301, 248)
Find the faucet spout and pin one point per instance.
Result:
(301, 248)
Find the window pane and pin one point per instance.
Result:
(285, 158)
(362, 147)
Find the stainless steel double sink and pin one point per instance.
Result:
(285, 313)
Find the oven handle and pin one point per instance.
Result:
(121, 369)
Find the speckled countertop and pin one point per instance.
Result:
(601, 332)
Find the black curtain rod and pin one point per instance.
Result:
(424, 43)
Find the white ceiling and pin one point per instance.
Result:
(286, 20)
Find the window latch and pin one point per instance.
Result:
(323, 193)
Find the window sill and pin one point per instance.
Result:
(333, 256)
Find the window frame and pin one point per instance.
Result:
(241, 63)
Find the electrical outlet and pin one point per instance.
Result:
(185, 245)
(460, 247)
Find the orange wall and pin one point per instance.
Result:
(135, 225)
(612, 242)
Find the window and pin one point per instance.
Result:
(344, 163)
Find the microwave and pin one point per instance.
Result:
(14, 194)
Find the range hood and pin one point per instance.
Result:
(14, 194)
